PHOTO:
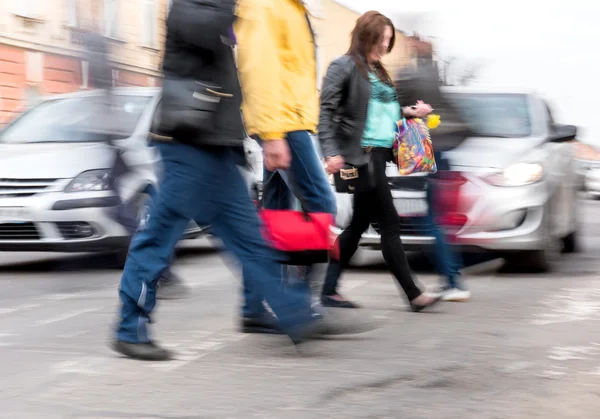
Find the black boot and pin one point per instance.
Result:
(263, 323)
(147, 351)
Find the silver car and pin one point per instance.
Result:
(516, 178)
(54, 176)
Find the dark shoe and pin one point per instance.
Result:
(145, 351)
(417, 307)
(264, 323)
(333, 303)
(171, 287)
(331, 326)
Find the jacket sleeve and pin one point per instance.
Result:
(201, 23)
(406, 89)
(332, 91)
(260, 68)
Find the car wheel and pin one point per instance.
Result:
(543, 260)
(570, 243)
(536, 261)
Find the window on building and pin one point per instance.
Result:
(149, 23)
(85, 74)
(111, 18)
(32, 96)
(72, 14)
(115, 78)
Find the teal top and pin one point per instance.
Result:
(382, 115)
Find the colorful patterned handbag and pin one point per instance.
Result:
(413, 149)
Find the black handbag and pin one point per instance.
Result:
(346, 179)
(189, 105)
(351, 176)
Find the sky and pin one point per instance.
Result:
(548, 46)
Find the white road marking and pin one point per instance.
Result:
(6, 335)
(65, 316)
(192, 351)
(569, 353)
(85, 365)
(571, 305)
(73, 334)
(350, 284)
(18, 308)
(66, 296)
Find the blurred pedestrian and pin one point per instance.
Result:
(97, 54)
(278, 71)
(359, 112)
(200, 136)
(420, 81)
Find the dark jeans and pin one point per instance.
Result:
(304, 179)
(203, 184)
(126, 215)
(373, 202)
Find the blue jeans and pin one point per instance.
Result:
(304, 179)
(204, 185)
(447, 261)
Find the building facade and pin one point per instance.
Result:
(333, 24)
(40, 46)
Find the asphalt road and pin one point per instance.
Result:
(525, 346)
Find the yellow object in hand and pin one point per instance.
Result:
(433, 121)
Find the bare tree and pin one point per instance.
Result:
(458, 72)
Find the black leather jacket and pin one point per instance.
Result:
(345, 98)
(198, 47)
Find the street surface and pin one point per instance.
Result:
(525, 346)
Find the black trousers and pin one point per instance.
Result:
(373, 203)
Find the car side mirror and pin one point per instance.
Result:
(563, 133)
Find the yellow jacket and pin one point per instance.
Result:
(277, 67)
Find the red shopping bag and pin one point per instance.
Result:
(303, 238)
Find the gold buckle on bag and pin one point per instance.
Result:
(349, 174)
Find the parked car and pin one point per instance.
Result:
(513, 183)
(54, 175)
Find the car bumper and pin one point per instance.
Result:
(61, 223)
(499, 219)
(592, 186)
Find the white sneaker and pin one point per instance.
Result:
(456, 295)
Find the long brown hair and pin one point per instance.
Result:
(367, 33)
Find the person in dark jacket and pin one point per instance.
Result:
(359, 113)
(97, 54)
(421, 81)
(202, 182)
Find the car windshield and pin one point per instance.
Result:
(77, 119)
(495, 115)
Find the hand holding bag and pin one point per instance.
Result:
(301, 237)
(347, 178)
(413, 149)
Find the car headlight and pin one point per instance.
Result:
(92, 180)
(519, 174)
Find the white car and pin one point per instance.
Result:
(55, 192)
(516, 178)
(592, 183)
